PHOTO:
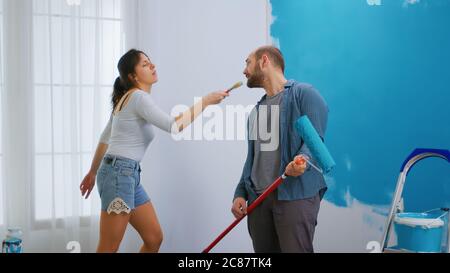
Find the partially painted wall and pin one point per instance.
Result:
(383, 67)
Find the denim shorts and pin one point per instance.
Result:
(119, 185)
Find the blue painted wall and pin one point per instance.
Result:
(385, 73)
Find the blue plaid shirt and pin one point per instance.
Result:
(299, 99)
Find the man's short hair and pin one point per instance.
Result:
(274, 55)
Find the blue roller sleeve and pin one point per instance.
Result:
(315, 144)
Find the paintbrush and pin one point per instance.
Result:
(235, 86)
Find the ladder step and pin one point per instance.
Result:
(396, 250)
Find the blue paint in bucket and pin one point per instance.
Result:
(421, 232)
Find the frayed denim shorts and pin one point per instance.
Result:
(119, 185)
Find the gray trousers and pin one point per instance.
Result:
(284, 226)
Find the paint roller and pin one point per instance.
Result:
(319, 153)
(315, 144)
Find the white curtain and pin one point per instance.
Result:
(61, 57)
(1, 94)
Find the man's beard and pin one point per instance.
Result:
(256, 79)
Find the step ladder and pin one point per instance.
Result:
(397, 203)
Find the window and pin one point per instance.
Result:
(76, 49)
(1, 93)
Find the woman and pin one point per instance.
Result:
(122, 146)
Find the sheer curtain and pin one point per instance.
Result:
(1, 93)
(61, 57)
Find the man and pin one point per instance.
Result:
(286, 220)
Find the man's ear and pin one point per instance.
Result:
(264, 61)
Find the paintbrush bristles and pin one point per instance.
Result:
(235, 86)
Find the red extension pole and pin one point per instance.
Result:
(249, 210)
(258, 201)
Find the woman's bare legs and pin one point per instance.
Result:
(145, 221)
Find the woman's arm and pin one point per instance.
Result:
(186, 118)
(98, 157)
(89, 180)
(148, 110)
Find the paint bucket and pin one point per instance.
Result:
(445, 237)
(421, 232)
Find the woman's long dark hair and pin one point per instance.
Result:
(126, 67)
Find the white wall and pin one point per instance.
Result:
(198, 46)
